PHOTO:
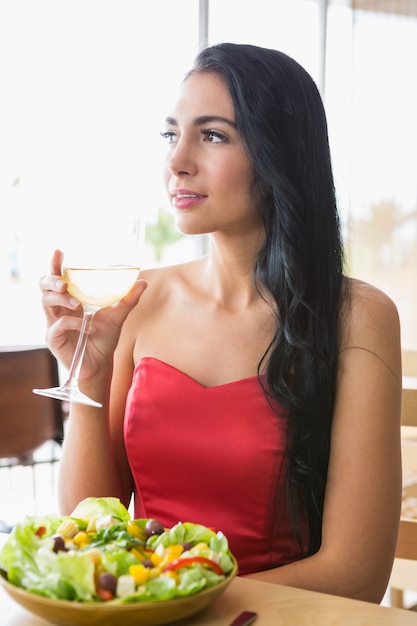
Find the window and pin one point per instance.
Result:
(371, 99)
(291, 26)
(85, 87)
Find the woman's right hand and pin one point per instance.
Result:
(64, 317)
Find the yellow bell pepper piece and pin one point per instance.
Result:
(139, 573)
(81, 539)
(156, 559)
(136, 531)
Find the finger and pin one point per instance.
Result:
(136, 291)
(68, 323)
(54, 280)
(133, 296)
(62, 335)
(56, 262)
(52, 283)
(55, 294)
(59, 299)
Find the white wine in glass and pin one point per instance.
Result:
(98, 275)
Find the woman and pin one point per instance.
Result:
(265, 398)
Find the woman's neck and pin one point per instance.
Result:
(228, 273)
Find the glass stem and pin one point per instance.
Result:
(77, 360)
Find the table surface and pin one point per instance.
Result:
(276, 605)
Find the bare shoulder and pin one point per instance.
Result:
(178, 271)
(363, 291)
(168, 288)
(373, 324)
(371, 307)
(163, 282)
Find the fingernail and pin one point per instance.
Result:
(73, 302)
(60, 283)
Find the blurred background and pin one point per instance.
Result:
(85, 87)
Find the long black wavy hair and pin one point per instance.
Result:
(281, 119)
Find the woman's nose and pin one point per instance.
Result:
(182, 159)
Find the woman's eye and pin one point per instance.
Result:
(213, 136)
(169, 136)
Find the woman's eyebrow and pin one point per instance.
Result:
(204, 119)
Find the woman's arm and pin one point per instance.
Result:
(93, 461)
(363, 492)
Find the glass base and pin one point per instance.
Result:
(69, 394)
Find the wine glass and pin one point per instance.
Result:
(100, 265)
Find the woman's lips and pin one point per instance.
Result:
(186, 199)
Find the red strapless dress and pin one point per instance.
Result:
(210, 455)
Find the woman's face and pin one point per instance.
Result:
(208, 175)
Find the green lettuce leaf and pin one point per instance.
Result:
(117, 561)
(96, 508)
(19, 555)
(31, 563)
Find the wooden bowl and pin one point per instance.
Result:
(67, 613)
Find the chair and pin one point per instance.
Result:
(404, 571)
(26, 420)
(27, 423)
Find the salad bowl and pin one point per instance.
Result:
(68, 613)
(98, 567)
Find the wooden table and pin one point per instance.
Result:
(276, 606)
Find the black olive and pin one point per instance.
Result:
(59, 544)
(187, 545)
(148, 563)
(153, 527)
(108, 582)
